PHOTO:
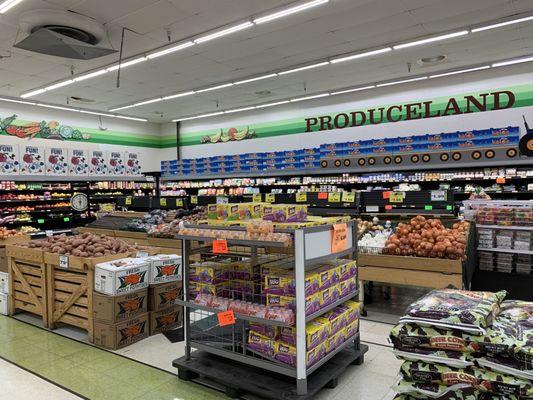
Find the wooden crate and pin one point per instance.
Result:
(70, 290)
(414, 271)
(27, 289)
(174, 244)
(130, 234)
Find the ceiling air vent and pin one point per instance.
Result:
(62, 34)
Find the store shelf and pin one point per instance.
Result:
(513, 251)
(331, 306)
(503, 227)
(34, 200)
(257, 320)
(51, 178)
(319, 363)
(237, 242)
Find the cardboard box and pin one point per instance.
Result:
(164, 268)
(165, 320)
(3, 304)
(115, 309)
(117, 336)
(4, 282)
(3, 260)
(163, 295)
(121, 276)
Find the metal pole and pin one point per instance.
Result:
(299, 264)
(185, 250)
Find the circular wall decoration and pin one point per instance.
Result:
(426, 158)
(526, 144)
(371, 161)
(511, 153)
(387, 160)
(79, 202)
(347, 163)
(490, 154)
(324, 164)
(415, 158)
(444, 157)
(361, 161)
(337, 163)
(476, 155)
(456, 156)
(398, 159)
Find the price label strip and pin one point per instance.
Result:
(220, 246)
(397, 197)
(334, 197)
(179, 202)
(128, 201)
(163, 202)
(348, 197)
(257, 198)
(339, 240)
(194, 199)
(301, 197)
(226, 318)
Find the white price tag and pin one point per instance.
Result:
(49, 233)
(438, 195)
(222, 200)
(142, 254)
(372, 209)
(150, 178)
(63, 262)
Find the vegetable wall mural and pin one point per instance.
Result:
(43, 130)
(230, 135)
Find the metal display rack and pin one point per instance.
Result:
(238, 367)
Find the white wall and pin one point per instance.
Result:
(150, 157)
(416, 91)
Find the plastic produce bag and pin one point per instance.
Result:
(455, 309)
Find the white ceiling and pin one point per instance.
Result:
(341, 26)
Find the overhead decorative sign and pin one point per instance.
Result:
(232, 134)
(43, 130)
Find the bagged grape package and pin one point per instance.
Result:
(455, 309)
(419, 390)
(454, 359)
(460, 394)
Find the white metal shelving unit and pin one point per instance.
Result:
(312, 246)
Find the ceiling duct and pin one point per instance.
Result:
(62, 34)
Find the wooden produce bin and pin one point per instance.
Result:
(70, 289)
(434, 273)
(96, 231)
(139, 238)
(174, 244)
(27, 289)
(4, 243)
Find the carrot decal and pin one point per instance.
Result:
(167, 270)
(132, 331)
(131, 279)
(166, 320)
(130, 305)
(168, 296)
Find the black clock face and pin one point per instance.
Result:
(79, 201)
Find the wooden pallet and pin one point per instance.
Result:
(70, 290)
(27, 290)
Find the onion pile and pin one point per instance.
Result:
(429, 238)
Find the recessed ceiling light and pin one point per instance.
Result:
(32, 93)
(18, 101)
(462, 71)
(512, 62)
(214, 88)
(199, 116)
(425, 61)
(258, 78)
(239, 110)
(289, 11)
(131, 118)
(8, 4)
(175, 96)
(142, 103)
(361, 55)
(290, 71)
(353, 90)
(402, 81)
(169, 50)
(60, 84)
(430, 40)
(224, 32)
(277, 103)
(126, 64)
(500, 24)
(90, 75)
(58, 107)
(315, 96)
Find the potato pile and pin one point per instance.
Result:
(429, 238)
(84, 245)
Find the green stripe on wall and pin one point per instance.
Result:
(523, 98)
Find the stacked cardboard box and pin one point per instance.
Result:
(134, 298)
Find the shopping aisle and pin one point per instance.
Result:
(18, 384)
(98, 374)
(88, 371)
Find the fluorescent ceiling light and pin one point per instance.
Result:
(511, 62)
(90, 75)
(8, 4)
(142, 103)
(214, 88)
(199, 116)
(169, 50)
(224, 32)
(32, 93)
(98, 113)
(430, 40)
(126, 64)
(499, 25)
(461, 71)
(277, 103)
(58, 107)
(256, 79)
(353, 90)
(290, 71)
(239, 109)
(131, 118)
(174, 96)
(361, 55)
(60, 84)
(402, 81)
(18, 101)
(316, 96)
(289, 11)
(122, 108)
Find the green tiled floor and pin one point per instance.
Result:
(89, 371)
